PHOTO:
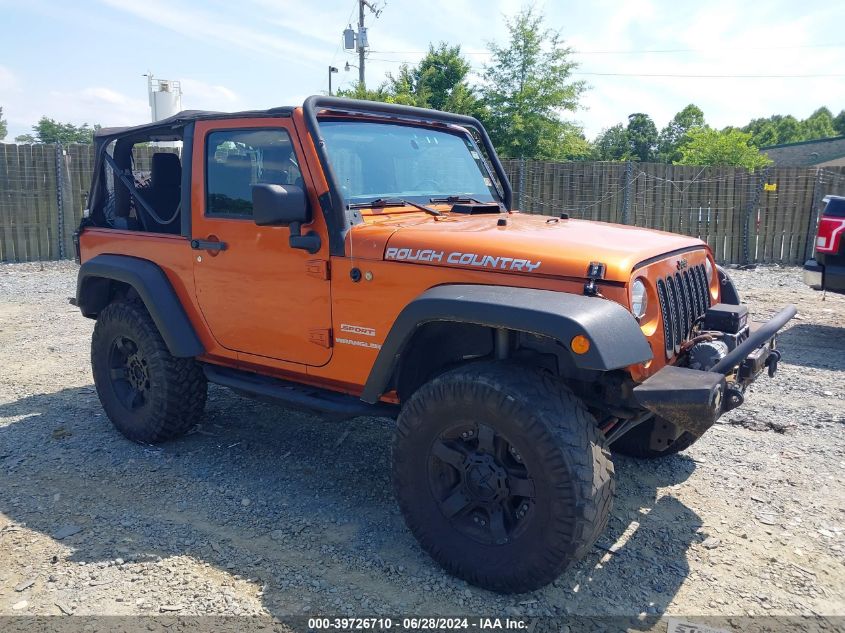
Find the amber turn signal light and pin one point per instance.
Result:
(580, 344)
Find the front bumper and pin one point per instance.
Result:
(693, 400)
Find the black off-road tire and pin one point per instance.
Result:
(167, 394)
(637, 443)
(559, 448)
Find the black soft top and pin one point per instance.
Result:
(168, 129)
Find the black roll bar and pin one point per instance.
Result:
(338, 217)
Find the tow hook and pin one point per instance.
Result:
(772, 362)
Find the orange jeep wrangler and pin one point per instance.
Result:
(360, 258)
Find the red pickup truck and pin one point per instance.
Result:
(827, 270)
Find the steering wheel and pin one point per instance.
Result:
(422, 184)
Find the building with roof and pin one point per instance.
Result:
(822, 152)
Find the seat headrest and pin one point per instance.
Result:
(165, 170)
(238, 161)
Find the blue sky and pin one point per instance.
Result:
(83, 61)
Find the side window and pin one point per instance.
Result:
(238, 159)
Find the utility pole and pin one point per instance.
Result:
(362, 42)
(358, 41)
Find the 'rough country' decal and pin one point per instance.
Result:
(463, 259)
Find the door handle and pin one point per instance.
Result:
(208, 245)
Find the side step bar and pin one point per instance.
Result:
(297, 396)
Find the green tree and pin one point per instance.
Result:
(788, 128)
(675, 133)
(565, 140)
(779, 129)
(439, 81)
(642, 137)
(357, 92)
(612, 144)
(4, 128)
(50, 131)
(763, 132)
(839, 123)
(706, 146)
(526, 86)
(818, 125)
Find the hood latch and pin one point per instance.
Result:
(595, 271)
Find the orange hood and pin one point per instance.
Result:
(527, 244)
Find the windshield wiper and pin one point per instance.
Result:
(394, 202)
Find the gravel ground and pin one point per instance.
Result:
(262, 510)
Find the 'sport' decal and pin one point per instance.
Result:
(357, 329)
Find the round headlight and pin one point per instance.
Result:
(708, 267)
(639, 300)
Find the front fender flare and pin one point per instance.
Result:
(615, 336)
(154, 289)
(728, 291)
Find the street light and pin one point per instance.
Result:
(332, 69)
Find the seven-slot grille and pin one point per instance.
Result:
(684, 297)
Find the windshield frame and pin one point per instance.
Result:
(340, 219)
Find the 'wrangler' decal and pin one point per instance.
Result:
(462, 259)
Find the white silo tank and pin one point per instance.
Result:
(165, 97)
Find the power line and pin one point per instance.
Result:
(650, 50)
(685, 76)
(707, 50)
(670, 75)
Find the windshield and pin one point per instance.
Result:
(386, 160)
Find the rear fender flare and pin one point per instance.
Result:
(154, 289)
(616, 340)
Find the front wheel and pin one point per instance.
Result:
(501, 474)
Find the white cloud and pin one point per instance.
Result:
(216, 28)
(96, 104)
(728, 38)
(199, 95)
(9, 82)
(260, 53)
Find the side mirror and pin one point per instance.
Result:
(279, 205)
(284, 205)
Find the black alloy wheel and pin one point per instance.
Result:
(481, 484)
(129, 373)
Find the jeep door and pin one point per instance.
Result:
(258, 295)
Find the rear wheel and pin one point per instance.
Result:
(501, 474)
(148, 394)
(637, 442)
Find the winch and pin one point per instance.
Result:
(706, 354)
